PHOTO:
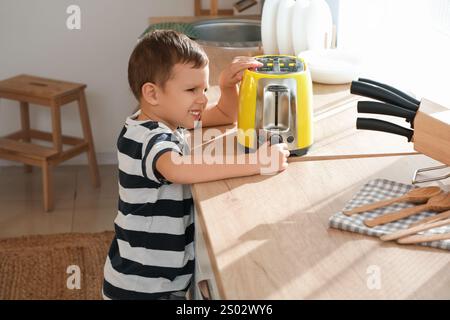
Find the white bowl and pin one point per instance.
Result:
(332, 66)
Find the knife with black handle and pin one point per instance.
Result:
(392, 89)
(381, 94)
(386, 109)
(383, 126)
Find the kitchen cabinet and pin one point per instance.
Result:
(205, 282)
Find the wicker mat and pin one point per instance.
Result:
(45, 267)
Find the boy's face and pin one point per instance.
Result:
(183, 99)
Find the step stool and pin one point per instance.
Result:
(18, 146)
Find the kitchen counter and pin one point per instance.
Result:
(267, 237)
(190, 19)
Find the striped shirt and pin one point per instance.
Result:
(152, 252)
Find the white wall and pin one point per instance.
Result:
(34, 39)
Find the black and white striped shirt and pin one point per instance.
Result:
(152, 252)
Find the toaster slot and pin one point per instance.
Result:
(277, 101)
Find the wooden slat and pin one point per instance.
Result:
(47, 186)
(25, 124)
(87, 134)
(38, 87)
(213, 11)
(20, 158)
(214, 7)
(46, 136)
(221, 12)
(69, 153)
(17, 135)
(23, 97)
(67, 98)
(198, 7)
(26, 149)
(56, 127)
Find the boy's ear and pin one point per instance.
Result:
(149, 93)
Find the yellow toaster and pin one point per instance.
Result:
(275, 104)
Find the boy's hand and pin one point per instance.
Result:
(273, 158)
(232, 74)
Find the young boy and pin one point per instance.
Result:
(152, 253)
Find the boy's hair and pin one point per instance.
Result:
(157, 53)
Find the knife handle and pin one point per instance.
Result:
(385, 108)
(392, 89)
(371, 91)
(383, 126)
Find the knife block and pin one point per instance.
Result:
(432, 131)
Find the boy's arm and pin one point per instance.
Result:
(225, 111)
(184, 169)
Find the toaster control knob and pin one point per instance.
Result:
(290, 139)
(275, 139)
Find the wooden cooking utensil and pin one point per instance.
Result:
(438, 203)
(424, 238)
(437, 217)
(419, 195)
(402, 233)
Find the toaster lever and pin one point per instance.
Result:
(275, 139)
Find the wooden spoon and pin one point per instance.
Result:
(438, 203)
(437, 217)
(419, 195)
(418, 238)
(406, 232)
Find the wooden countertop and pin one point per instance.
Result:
(190, 19)
(268, 236)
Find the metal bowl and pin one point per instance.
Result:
(234, 33)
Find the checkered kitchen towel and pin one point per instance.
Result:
(381, 189)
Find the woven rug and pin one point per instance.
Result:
(55, 267)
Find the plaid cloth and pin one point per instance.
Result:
(381, 189)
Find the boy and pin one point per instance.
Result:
(152, 253)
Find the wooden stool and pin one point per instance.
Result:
(17, 146)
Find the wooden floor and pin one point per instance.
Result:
(79, 207)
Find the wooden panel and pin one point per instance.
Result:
(213, 11)
(22, 97)
(432, 131)
(42, 88)
(56, 127)
(214, 8)
(197, 7)
(25, 124)
(26, 149)
(46, 136)
(33, 161)
(18, 135)
(87, 134)
(69, 153)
